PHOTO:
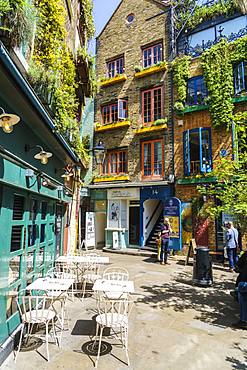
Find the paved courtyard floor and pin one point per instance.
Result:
(173, 325)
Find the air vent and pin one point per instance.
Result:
(18, 208)
(16, 238)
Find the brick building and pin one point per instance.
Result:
(133, 119)
(198, 144)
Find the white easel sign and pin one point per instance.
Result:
(90, 229)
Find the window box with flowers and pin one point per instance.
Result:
(111, 126)
(159, 124)
(104, 81)
(109, 178)
(143, 72)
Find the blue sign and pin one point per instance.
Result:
(172, 211)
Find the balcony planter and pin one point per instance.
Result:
(152, 128)
(149, 71)
(111, 178)
(113, 80)
(111, 126)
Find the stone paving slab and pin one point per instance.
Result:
(173, 326)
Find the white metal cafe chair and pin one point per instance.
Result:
(91, 272)
(36, 310)
(113, 314)
(116, 273)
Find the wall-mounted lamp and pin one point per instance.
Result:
(7, 121)
(48, 184)
(68, 172)
(99, 152)
(43, 156)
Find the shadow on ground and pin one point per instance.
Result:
(237, 363)
(214, 305)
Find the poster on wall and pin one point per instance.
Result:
(186, 219)
(90, 229)
(172, 211)
(114, 214)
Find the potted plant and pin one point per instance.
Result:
(179, 106)
(160, 121)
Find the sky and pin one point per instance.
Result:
(103, 9)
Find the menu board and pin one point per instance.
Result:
(90, 229)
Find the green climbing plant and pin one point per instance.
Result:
(181, 71)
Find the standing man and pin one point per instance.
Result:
(165, 237)
(231, 244)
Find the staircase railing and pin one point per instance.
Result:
(153, 214)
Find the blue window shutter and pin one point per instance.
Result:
(186, 140)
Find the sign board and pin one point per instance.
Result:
(84, 192)
(90, 229)
(115, 240)
(172, 210)
(133, 193)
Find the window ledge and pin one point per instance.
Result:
(194, 180)
(111, 178)
(113, 80)
(151, 128)
(111, 126)
(192, 108)
(239, 99)
(151, 70)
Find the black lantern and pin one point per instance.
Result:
(99, 152)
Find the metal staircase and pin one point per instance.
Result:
(151, 242)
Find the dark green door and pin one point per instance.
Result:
(27, 248)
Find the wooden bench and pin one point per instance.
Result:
(193, 246)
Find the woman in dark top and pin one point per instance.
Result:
(241, 290)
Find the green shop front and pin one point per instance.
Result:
(33, 198)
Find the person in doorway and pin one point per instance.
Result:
(231, 245)
(158, 243)
(165, 237)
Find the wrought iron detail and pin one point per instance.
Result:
(200, 48)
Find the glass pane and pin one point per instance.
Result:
(147, 107)
(30, 262)
(206, 155)
(158, 158)
(16, 238)
(43, 210)
(18, 207)
(147, 160)
(114, 113)
(42, 233)
(157, 104)
(32, 235)
(202, 37)
(194, 153)
(113, 159)
(232, 26)
(14, 269)
(33, 209)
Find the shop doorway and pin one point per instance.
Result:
(134, 224)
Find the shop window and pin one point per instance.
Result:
(115, 112)
(32, 235)
(18, 207)
(115, 67)
(197, 151)
(197, 91)
(33, 209)
(152, 105)
(153, 159)
(240, 77)
(116, 163)
(152, 55)
(16, 238)
(43, 210)
(42, 233)
(117, 213)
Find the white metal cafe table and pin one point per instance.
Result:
(114, 286)
(83, 259)
(50, 284)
